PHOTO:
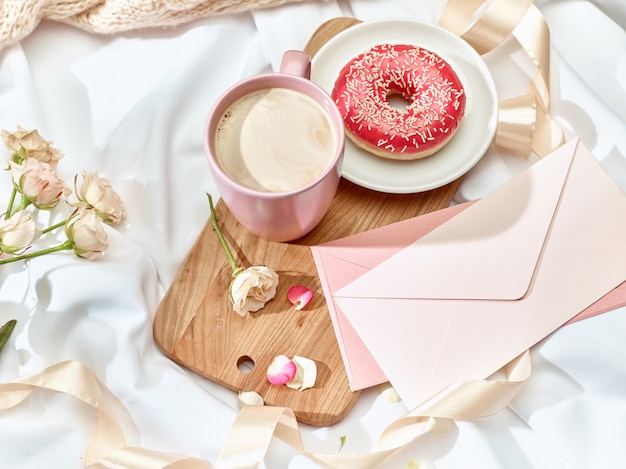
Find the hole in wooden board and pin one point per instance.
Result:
(245, 364)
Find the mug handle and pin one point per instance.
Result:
(296, 62)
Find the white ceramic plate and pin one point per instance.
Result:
(474, 134)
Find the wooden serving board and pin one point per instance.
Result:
(196, 326)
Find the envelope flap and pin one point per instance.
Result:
(488, 251)
(340, 261)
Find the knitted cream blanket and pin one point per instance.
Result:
(18, 18)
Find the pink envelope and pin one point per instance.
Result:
(470, 295)
(341, 261)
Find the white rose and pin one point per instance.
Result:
(85, 230)
(252, 288)
(17, 232)
(33, 143)
(38, 182)
(97, 193)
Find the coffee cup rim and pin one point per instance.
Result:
(266, 81)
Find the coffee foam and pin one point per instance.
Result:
(275, 140)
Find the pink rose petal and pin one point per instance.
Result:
(300, 296)
(281, 370)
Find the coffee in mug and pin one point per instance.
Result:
(275, 147)
(275, 140)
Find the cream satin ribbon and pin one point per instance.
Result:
(524, 122)
(251, 432)
(255, 426)
(107, 447)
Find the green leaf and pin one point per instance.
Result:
(5, 332)
(343, 442)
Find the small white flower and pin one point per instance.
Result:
(38, 182)
(17, 232)
(97, 193)
(84, 229)
(252, 288)
(31, 142)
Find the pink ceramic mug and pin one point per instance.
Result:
(276, 214)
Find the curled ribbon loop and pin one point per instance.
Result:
(516, 123)
(485, 25)
(76, 379)
(107, 447)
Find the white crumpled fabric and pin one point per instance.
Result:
(132, 106)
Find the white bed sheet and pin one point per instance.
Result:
(132, 106)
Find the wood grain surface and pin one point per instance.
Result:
(196, 326)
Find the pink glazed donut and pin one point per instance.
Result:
(434, 94)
